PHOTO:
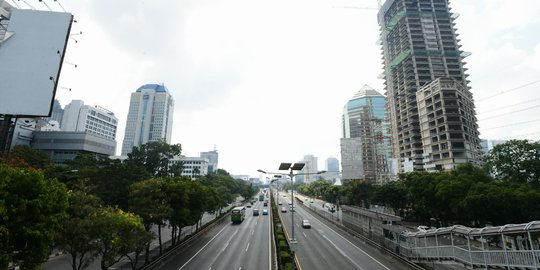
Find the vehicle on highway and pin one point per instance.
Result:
(423, 228)
(283, 210)
(311, 200)
(265, 212)
(306, 224)
(261, 197)
(248, 206)
(292, 209)
(238, 214)
(265, 203)
(280, 203)
(255, 212)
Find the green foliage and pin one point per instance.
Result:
(32, 209)
(112, 182)
(148, 200)
(285, 257)
(359, 193)
(25, 156)
(154, 157)
(78, 233)
(515, 161)
(118, 233)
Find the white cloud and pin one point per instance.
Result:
(266, 81)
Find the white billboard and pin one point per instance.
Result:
(31, 56)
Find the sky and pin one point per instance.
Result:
(265, 82)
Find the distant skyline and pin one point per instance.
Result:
(266, 82)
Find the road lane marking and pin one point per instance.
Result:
(354, 246)
(204, 247)
(247, 247)
(304, 234)
(342, 253)
(229, 241)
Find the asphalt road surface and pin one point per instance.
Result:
(322, 247)
(231, 246)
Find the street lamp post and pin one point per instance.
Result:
(291, 174)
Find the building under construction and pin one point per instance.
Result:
(430, 106)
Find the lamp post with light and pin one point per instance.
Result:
(292, 167)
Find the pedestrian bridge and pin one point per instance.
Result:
(508, 246)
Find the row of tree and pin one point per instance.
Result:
(506, 190)
(101, 208)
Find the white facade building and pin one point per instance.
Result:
(94, 120)
(150, 117)
(193, 166)
(311, 168)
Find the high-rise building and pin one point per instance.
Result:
(310, 168)
(365, 144)
(488, 145)
(150, 117)
(332, 168)
(420, 45)
(212, 157)
(57, 112)
(94, 120)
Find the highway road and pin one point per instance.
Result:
(231, 246)
(322, 247)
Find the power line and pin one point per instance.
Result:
(509, 90)
(499, 115)
(522, 135)
(514, 124)
(521, 103)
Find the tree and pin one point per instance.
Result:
(177, 194)
(148, 200)
(25, 156)
(32, 207)
(79, 232)
(359, 193)
(113, 180)
(118, 234)
(420, 193)
(155, 158)
(515, 161)
(392, 195)
(196, 202)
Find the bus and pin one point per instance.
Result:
(238, 214)
(261, 197)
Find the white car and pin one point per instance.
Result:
(423, 228)
(306, 224)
